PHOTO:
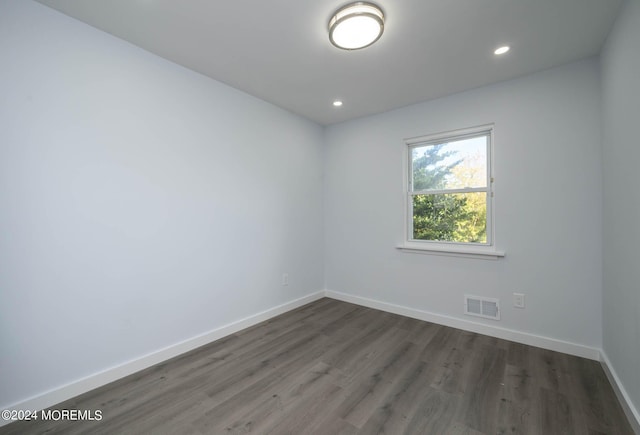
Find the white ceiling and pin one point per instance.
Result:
(279, 50)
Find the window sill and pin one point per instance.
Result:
(485, 253)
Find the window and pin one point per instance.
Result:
(449, 190)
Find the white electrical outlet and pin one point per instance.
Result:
(518, 300)
(285, 279)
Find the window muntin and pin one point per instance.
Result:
(449, 196)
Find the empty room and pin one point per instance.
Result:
(326, 217)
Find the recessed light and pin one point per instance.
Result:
(337, 103)
(356, 25)
(502, 50)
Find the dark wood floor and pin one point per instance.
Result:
(335, 368)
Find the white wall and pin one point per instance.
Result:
(621, 113)
(548, 203)
(142, 204)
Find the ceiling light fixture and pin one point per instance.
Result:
(502, 50)
(337, 103)
(356, 25)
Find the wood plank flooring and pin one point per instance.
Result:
(335, 368)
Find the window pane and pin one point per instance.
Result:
(454, 217)
(450, 165)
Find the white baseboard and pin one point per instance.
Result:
(89, 383)
(66, 392)
(627, 405)
(467, 325)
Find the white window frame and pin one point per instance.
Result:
(481, 250)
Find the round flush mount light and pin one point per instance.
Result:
(337, 103)
(502, 50)
(356, 25)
